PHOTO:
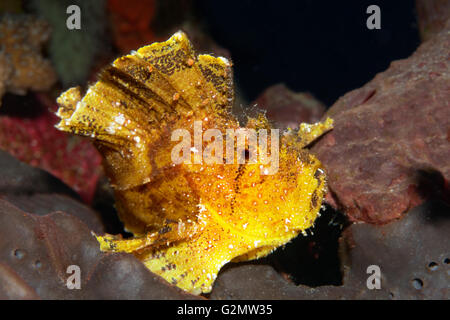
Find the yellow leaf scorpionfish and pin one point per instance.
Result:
(190, 217)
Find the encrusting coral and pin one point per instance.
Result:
(22, 66)
(189, 219)
(34, 140)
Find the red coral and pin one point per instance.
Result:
(131, 23)
(35, 141)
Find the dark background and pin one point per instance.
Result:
(323, 47)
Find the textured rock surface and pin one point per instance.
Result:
(391, 137)
(19, 178)
(287, 108)
(431, 16)
(35, 252)
(412, 254)
(43, 230)
(43, 204)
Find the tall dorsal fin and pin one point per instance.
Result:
(138, 97)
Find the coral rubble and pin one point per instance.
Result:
(22, 66)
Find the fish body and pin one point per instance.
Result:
(190, 218)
